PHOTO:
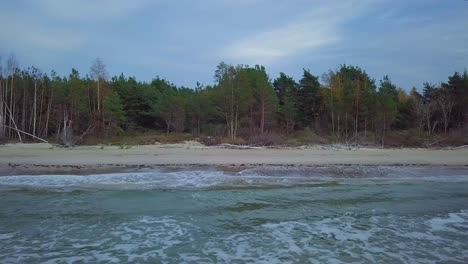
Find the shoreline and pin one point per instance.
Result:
(19, 170)
(39, 158)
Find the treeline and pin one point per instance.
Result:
(344, 105)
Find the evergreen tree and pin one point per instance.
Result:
(287, 92)
(308, 99)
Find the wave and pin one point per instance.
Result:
(340, 239)
(348, 238)
(183, 180)
(263, 178)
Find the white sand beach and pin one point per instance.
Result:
(192, 153)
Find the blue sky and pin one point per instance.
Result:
(183, 40)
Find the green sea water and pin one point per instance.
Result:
(266, 215)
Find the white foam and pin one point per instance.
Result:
(337, 239)
(6, 236)
(200, 179)
(154, 180)
(449, 223)
(140, 239)
(377, 237)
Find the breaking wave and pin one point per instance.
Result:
(250, 178)
(341, 239)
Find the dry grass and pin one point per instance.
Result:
(148, 138)
(211, 141)
(404, 138)
(307, 137)
(267, 139)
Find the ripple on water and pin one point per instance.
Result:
(75, 232)
(383, 238)
(219, 180)
(182, 180)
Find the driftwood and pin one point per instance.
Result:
(231, 146)
(67, 140)
(428, 145)
(84, 133)
(460, 147)
(14, 123)
(26, 133)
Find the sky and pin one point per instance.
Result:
(183, 40)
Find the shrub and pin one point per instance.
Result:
(233, 141)
(267, 139)
(147, 138)
(210, 141)
(307, 136)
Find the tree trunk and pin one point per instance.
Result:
(428, 120)
(365, 127)
(236, 122)
(226, 115)
(346, 125)
(2, 119)
(12, 96)
(445, 123)
(6, 105)
(23, 117)
(338, 128)
(357, 108)
(98, 98)
(333, 122)
(91, 105)
(67, 132)
(40, 111)
(434, 127)
(356, 124)
(26, 133)
(49, 106)
(232, 111)
(262, 120)
(35, 108)
(13, 121)
(231, 127)
(383, 130)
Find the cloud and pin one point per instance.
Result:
(26, 34)
(86, 10)
(282, 42)
(315, 29)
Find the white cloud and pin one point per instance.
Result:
(317, 28)
(277, 43)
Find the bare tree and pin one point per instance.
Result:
(36, 75)
(14, 123)
(428, 112)
(12, 66)
(419, 112)
(2, 107)
(65, 135)
(99, 74)
(445, 103)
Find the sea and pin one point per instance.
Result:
(335, 214)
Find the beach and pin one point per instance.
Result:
(174, 203)
(20, 158)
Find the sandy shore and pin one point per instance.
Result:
(17, 158)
